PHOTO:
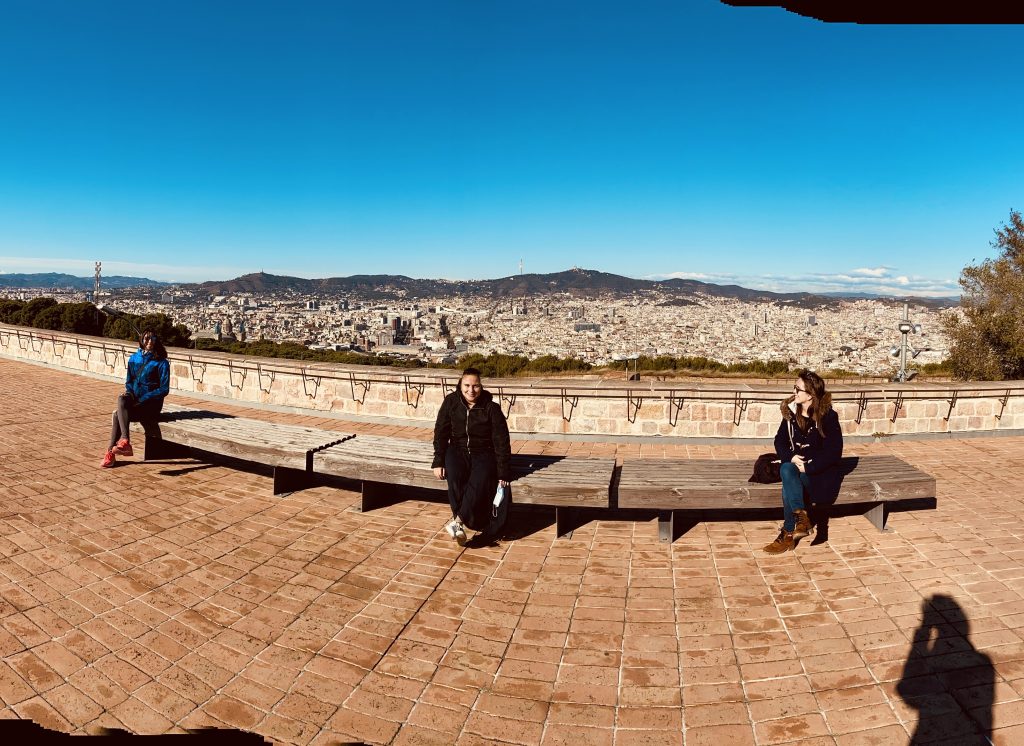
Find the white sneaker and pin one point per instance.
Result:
(456, 531)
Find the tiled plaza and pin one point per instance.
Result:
(159, 597)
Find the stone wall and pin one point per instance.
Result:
(555, 405)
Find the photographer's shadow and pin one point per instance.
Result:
(948, 681)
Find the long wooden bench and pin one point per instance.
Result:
(288, 449)
(566, 483)
(878, 483)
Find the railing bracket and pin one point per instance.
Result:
(862, 404)
(363, 385)
(738, 408)
(231, 375)
(411, 387)
(504, 398)
(952, 403)
(306, 380)
(675, 406)
(572, 401)
(898, 405)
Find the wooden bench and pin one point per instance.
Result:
(288, 449)
(379, 463)
(878, 483)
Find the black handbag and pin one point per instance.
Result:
(766, 469)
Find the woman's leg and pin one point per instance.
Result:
(456, 471)
(792, 494)
(115, 430)
(123, 418)
(478, 495)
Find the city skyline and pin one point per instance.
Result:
(743, 146)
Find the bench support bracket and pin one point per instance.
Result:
(878, 514)
(564, 522)
(373, 495)
(287, 481)
(158, 449)
(666, 526)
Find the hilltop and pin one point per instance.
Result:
(61, 280)
(581, 283)
(575, 282)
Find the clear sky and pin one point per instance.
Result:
(185, 140)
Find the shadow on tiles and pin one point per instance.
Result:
(948, 681)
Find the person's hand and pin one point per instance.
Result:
(799, 463)
(503, 482)
(439, 472)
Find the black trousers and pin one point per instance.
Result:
(472, 482)
(127, 412)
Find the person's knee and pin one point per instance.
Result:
(789, 471)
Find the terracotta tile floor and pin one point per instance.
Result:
(164, 596)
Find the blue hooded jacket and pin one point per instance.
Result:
(148, 377)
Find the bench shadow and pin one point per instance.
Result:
(184, 470)
(200, 414)
(946, 679)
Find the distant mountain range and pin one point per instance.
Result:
(576, 282)
(59, 280)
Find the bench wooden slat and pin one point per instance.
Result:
(272, 444)
(710, 484)
(543, 480)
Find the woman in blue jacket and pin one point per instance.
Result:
(809, 443)
(146, 385)
(472, 451)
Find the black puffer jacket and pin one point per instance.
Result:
(822, 450)
(479, 429)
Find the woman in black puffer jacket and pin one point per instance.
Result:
(472, 451)
(809, 443)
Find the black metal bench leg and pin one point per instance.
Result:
(287, 481)
(878, 514)
(374, 494)
(564, 522)
(666, 526)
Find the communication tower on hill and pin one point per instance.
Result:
(96, 283)
(520, 266)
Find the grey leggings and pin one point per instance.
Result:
(127, 412)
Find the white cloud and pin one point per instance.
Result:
(872, 280)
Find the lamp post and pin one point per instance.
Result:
(905, 329)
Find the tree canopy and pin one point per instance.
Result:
(987, 337)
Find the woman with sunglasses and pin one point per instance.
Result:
(146, 385)
(810, 444)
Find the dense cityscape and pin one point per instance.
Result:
(855, 335)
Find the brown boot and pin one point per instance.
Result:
(803, 524)
(783, 543)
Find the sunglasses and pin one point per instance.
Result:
(798, 390)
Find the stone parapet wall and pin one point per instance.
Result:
(577, 405)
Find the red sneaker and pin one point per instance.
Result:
(108, 460)
(123, 448)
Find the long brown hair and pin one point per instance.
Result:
(159, 351)
(816, 388)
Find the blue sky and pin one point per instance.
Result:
(195, 140)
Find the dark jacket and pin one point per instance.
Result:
(477, 430)
(149, 379)
(822, 451)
